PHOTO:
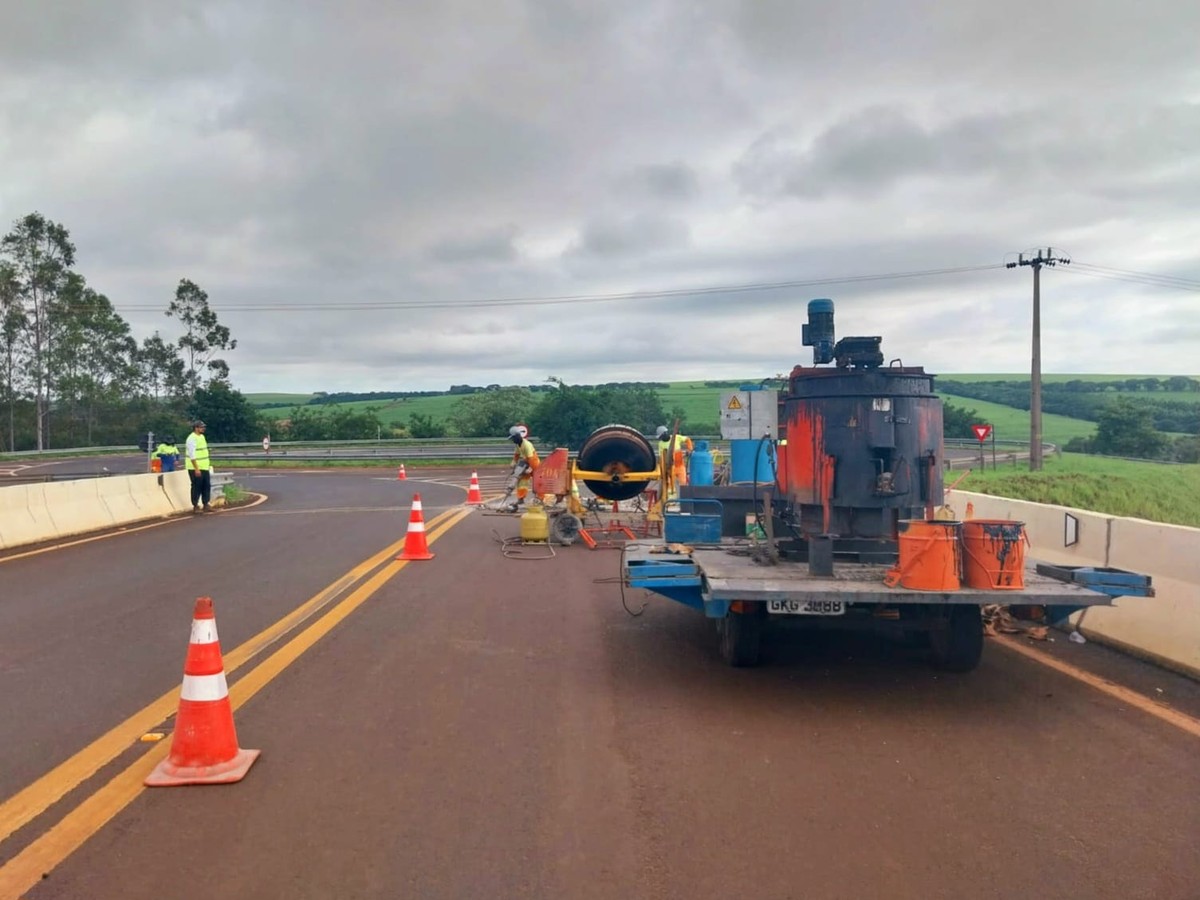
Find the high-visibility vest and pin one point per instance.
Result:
(200, 442)
(166, 450)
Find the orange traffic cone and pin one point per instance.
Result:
(205, 747)
(400, 476)
(473, 494)
(415, 546)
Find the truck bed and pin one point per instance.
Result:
(717, 577)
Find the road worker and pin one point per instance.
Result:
(167, 453)
(683, 452)
(525, 461)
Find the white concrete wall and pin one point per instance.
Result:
(1166, 627)
(31, 513)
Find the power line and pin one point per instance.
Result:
(1142, 279)
(581, 298)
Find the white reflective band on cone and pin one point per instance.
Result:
(416, 526)
(204, 687)
(204, 631)
(417, 505)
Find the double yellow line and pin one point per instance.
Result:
(26, 868)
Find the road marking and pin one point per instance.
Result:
(1174, 717)
(29, 866)
(178, 517)
(31, 801)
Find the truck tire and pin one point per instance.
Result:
(741, 637)
(956, 642)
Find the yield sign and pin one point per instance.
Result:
(981, 432)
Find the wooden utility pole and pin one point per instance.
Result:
(1046, 258)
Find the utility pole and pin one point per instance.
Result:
(1046, 258)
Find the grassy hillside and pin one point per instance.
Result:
(259, 399)
(1057, 379)
(392, 412)
(1161, 493)
(1012, 424)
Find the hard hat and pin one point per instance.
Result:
(516, 431)
(662, 430)
(168, 440)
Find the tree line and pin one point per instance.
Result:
(71, 372)
(1089, 400)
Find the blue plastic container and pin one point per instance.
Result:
(700, 469)
(741, 461)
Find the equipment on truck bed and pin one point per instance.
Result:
(854, 531)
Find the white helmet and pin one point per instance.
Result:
(662, 432)
(515, 431)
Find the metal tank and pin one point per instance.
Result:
(860, 446)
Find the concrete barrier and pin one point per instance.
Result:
(1164, 628)
(31, 513)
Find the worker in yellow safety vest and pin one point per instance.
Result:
(199, 466)
(683, 452)
(167, 453)
(525, 461)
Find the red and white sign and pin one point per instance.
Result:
(981, 432)
(267, 443)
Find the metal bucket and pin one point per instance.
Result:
(930, 557)
(994, 551)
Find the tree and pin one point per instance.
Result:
(957, 421)
(203, 335)
(566, 416)
(491, 413)
(1126, 428)
(161, 370)
(230, 417)
(420, 426)
(12, 323)
(94, 354)
(39, 255)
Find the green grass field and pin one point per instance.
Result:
(1117, 487)
(1057, 379)
(258, 399)
(392, 412)
(1012, 424)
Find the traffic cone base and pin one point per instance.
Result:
(204, 747)
(167, 775)
(415, 544)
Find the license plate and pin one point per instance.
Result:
(807, 607)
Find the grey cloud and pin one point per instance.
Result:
(490, 247)
(674, 181)
(631, 236)
(878, 147)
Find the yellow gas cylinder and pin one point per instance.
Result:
(534, 525)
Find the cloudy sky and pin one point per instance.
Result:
(344, 178)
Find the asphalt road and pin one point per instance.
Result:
(491, 727)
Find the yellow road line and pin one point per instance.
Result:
(29, 866)
(37, 797)
(179, 517)
(1174, 717)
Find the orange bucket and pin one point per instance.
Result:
(156, 465)
(930, 555)
(994, 554)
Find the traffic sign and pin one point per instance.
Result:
(981, 432)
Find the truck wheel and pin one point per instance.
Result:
(956, 642)
(741, 637)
